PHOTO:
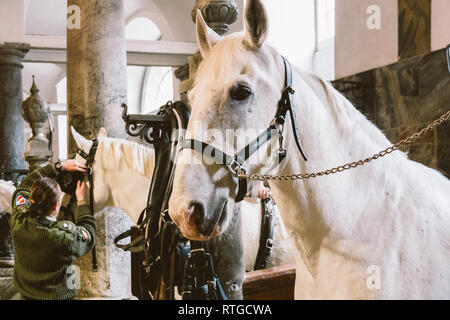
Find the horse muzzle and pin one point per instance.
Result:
(198, 222)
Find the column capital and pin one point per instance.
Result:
(12, 53)
(218, 14)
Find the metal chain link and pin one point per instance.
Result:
(352, 165)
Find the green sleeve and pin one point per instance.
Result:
(79, 237)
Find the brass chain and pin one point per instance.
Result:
(352, 165)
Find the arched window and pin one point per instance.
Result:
(158, 88)
(325, 18)
(142, 29)
(148, 87)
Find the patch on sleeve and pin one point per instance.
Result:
(67, 226)
(20, 200)
(85, 235)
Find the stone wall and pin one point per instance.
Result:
(113, 278)
(403, 98)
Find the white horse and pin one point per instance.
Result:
(381, 231)
(122, 177)
(7, 189)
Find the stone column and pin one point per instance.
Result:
(12, 136)
(219, 15)
(96, 89)
(414, 28)
(96, 69)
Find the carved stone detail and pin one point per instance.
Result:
(218, 14)
(35, 111)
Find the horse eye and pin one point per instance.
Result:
(240, 93)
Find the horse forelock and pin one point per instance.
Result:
(116, 154)
(228, 59)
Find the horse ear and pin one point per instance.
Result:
(82, 143)
(206, 37)
(102, 133)
(256, 23)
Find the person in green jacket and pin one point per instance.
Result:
(44, 248)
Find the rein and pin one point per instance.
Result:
(304, 176)
(235, 164)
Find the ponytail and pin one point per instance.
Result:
(44, 194)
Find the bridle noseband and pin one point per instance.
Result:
(235, 164)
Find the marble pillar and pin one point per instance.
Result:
(403, 98)
(414, 28)
(12, 136)
(113, 278)
(96, 69)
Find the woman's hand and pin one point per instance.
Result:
(80, 192)
(73, 166)
(263, 192)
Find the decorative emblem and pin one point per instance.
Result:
(85, 235)
(20, 200)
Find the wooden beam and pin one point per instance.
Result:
(275, 283)
(52, 49)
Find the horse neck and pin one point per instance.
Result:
(333, 133)
(128, 187)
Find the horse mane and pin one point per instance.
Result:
(117, 154)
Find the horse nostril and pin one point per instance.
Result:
(195, 214)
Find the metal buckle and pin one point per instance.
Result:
(269, 244)
(82, 154)
(236, 168)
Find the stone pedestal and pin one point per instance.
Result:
(7, 290)
(12, 136)
(35, 111)
(96, 69)
(113, 278)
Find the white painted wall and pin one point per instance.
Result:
(47, 76)
(440, 24)
(358, 48)
(12, 20)
(292, 30)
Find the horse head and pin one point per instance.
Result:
(116, 161)
(101, 189)
(236, 91)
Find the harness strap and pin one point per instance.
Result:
(448, 57)
(287, 104)
(233, 163)
(266, 237)
(138, 244)
(89, 161)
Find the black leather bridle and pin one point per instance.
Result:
(90, 173)
(235, 164)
